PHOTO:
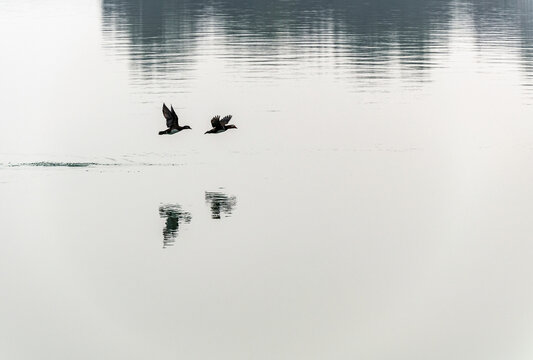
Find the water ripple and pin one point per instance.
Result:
(400, 40)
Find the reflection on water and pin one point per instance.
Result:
(220, 203)
(365, 42)
(407, 115)
(174, 217)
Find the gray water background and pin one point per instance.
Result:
(375, 201)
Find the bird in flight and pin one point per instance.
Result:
(220, 125)
(172, 121)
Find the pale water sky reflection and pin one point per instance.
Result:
(374, 203)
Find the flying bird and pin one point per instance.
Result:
(172, 121)
(220, 125)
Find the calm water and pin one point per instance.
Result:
(374, 203)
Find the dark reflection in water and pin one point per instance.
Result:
(220, 204)
(174, 217)
(367, 41)
(506, 24)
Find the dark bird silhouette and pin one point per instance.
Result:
(220, 125)
(172, 121)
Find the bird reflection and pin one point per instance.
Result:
(174, 216)
(220, 203)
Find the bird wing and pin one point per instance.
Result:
(215, 122)
(168, 115)
(174, 115)
(225, 120)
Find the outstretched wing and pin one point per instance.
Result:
(225, 120)
(168, 115)
(215, 122)
(174, 115)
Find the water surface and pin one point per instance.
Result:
(373, 203)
